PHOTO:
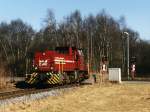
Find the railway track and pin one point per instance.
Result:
(19, 93)
(14, 93)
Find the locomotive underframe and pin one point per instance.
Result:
(53, 78)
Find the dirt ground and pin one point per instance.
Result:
(91, 98)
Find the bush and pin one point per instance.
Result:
(3, 76)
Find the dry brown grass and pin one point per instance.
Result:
(92, 98)
(5, 82)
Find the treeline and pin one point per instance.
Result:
(98, 35)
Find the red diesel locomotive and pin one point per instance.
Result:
(63, 65)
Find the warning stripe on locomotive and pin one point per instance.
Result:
(59, 60)
(33, 78)
(55, 79)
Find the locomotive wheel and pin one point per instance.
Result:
(66, 78)
(77, 78)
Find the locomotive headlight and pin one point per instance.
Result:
(35, 68)
(52, 68)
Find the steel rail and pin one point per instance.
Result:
(18, 93)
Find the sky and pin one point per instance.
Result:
(33, 12)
